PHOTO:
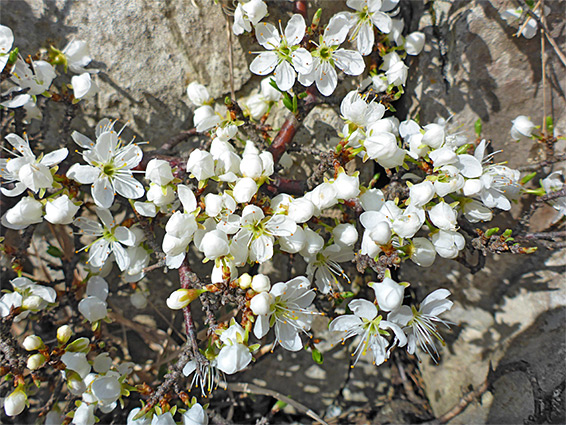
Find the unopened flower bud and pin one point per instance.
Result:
(35, 361)
(261, 283)
(433, 136)
(33, 303)
(244, 190)
(15, 403)
(345, 234)
(27, 211)
(61, 210)
(182, 298)
(197, 93)
(245, 281)
(381, 233)
(261, 303)
(389, 294)
(251, 166)
(159, 172)
(32, 342)
(64, 334)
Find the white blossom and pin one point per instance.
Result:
(327, 55)
(27, 171)
(84, 87)
(77, 56)
(198, 94)
(110, 167)
(290, 313)
(27, 211)
(112, 239)
(420, 325)
(284, 56)
(448, 243)
(368, 14)
(371, 328)
(248, 13)
(196, 415)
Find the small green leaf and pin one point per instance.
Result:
(549, 125)
(54, 251)
(317, 356)
(288, 102)
(507, 233)
(528, 177)
(273, 84)
(491, 232)
(295, 104)
(478, 127)
(13, 56)
(463, 149)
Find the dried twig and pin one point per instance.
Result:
(246, 387)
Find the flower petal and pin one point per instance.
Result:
(365, 40)
(187, 198)
(125, 236)
(82, 140)
(103, 192)
(264, 63)
(288, 337)
(106, 145)
(54, 157)
(127, 186)
(99, 252)
(121, 256)
(302, 61)
(268, 36)
(295, 30)
(129, 157)
(326, 79)
(363, 308)
(281, 225)
(337, 29)
(349, 61)
(284, 76)
(261, 249)
(382, 21)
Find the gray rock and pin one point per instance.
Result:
(147, 53)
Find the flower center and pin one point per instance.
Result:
(325, 53)
(109, 170)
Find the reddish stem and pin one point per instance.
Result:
(283, 185)
(284, 137)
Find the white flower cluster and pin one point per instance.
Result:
(224, 207)
(29, 78)
(411, 327)
(286, 57)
